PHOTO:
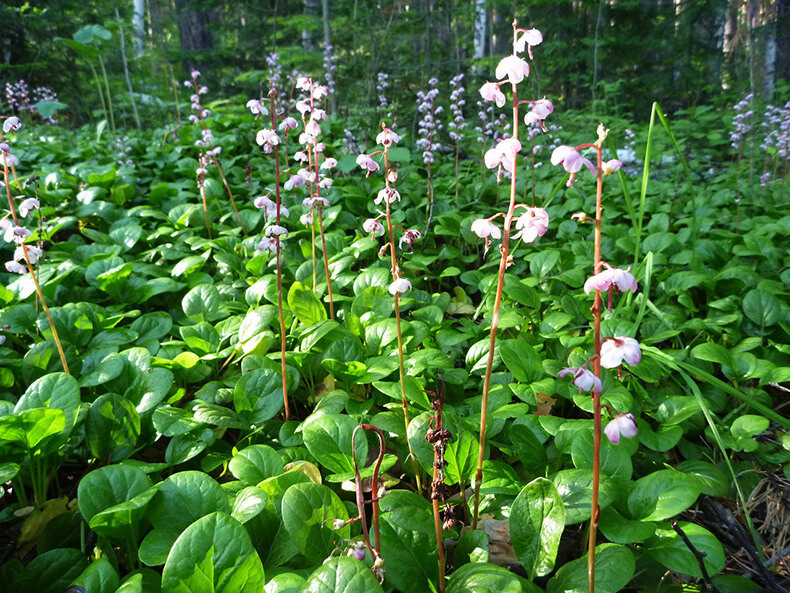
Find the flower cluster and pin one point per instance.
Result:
(457, 103)
(382, 84)
(387, 196)
(776, 137)
(614, 351)
(329, 66)
(742, 122)
(20, 99)
(122, 150)
(428, 126)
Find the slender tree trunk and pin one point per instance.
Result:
(138, 27)
(328, 42)
(481, 29)
(193, 31)
(310, 10)
(770, 55)
(783, 39)
(126, 66)
(752, 11)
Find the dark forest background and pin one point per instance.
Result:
(610, 56)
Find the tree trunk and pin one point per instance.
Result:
(481, 29)
(193, 31)
(138, 27)
(769, 75)
(310, 11)
(328, 42)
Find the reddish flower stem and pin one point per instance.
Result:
(495, 314)
(272, 94)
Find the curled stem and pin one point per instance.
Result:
(374, 549)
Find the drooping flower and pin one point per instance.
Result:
(616, 350)
(400, 285)
(570, 159)
(12, 124)
(529, 39)
(513, 68)
(611, 166)
(484, 228)
(583, 378)
(388, 195)
(532, 224)
(374, 227)
(366, 162)
(503, 154)
(622, 424)
(622, 280)
(409, 237)
(267, 138)
(387, 137)
(26, 205)
(256, 107)
(490, 91)
(541, 109)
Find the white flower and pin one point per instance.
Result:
(400, 285)
(616, 350)
(623, 424)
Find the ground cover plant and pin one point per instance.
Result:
(250, 352)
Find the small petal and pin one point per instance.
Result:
(400, 285)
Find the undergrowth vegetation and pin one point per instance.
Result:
(274, 371)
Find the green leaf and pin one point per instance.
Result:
(328, 438)
(102, 493)
(255, 463)
(202, 303)
(107, 369)
(408, 541)
(182, 499)
(52, 571)
(762, 307)
(31, 427)
(305, 305)
(55, 390)
(461, 458)
(99, 577)
(663, 494)
(308, 511)
(713, 352)
(575, 488)
(258, 395)
(112, 428)
(668, 549)
(481, 577)
(214, 554)
(342, 575)
(522, 360)
(614, 567)
(48, 108)
(714, 482)
(537, 520)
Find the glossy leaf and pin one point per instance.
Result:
(537, 520)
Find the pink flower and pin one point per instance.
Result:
(623, 424)
(368, 163)
(503, 154)
(490, 91)
(583, 378)
(529, 38)
(306, 219)
(532, 224)
(615, 350)
(610, 167)
(256, 107)
(264, 202)
(409, 237)
(387, 195)
(387, 137)
(484, 228)
(276, 230)
(293, 181)
(513, 68)
(570, 159)
(541, 109)
(621, 279)
(11, 124)
(15, 267)
(268, 244)
(329, 163)
(268, 137)
(288, 123)
(26, 205)
(374, 227)
(400, 285)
